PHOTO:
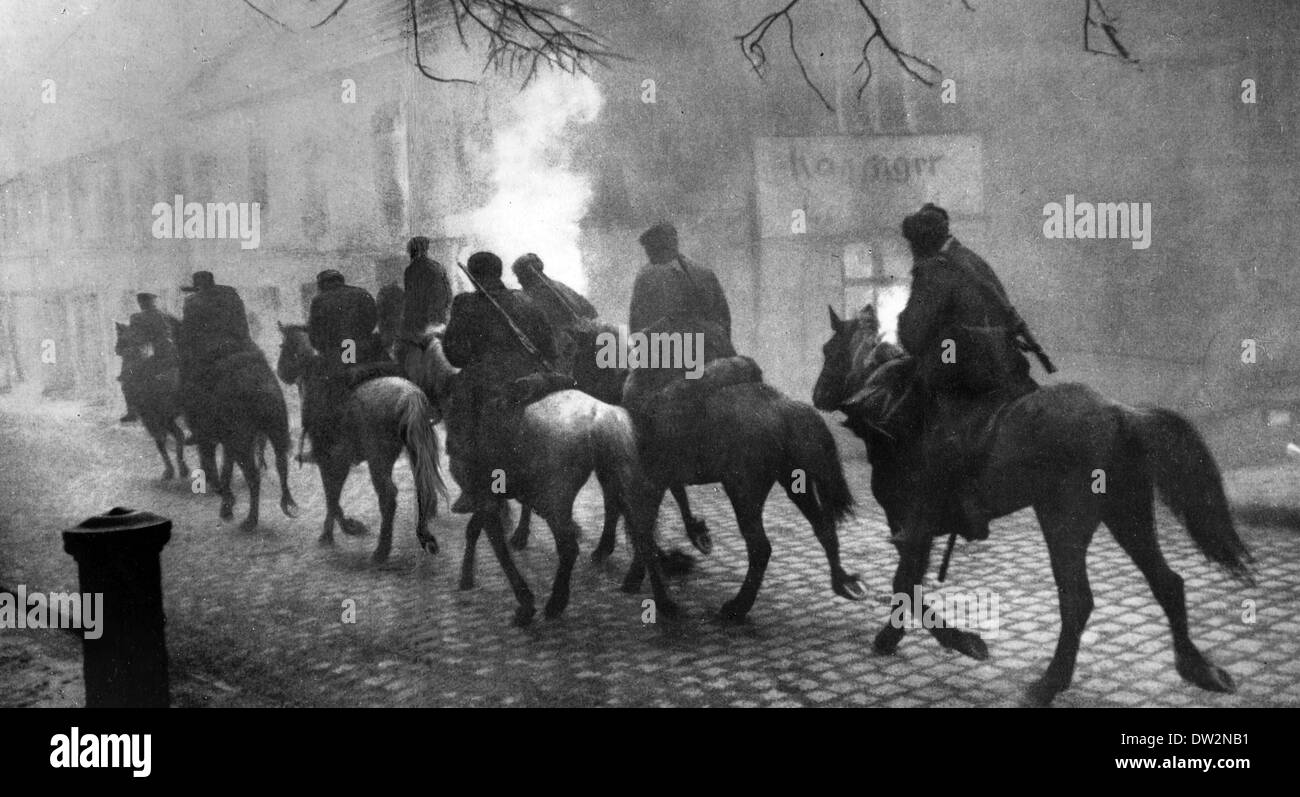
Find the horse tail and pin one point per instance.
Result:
(618, 462)
(414, 423)
(1188, 482)
(810, 451)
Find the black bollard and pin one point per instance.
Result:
(117, 555)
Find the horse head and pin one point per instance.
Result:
(854, 351)
(295, 352)
(591, 372)
(129, 345)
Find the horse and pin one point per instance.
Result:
(1044, 452)
(240, 408)
(153, 388)
(380, 418)
(751, 438)
(428, 367)
(606, 384)
(560, 440)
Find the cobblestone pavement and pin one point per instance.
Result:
(257, 619)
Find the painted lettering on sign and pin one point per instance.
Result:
(850, 185)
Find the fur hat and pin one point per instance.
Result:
(484, 266)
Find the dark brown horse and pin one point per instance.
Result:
(153, 387)
(1045, 453)
(243, 408)
(751, 437)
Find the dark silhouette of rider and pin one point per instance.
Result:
(158, 329)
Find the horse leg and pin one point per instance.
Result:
(223, 483)
(637, 570)
(381, 476)
(174, 430)
(496, 532)
(747, 499)
(824, 526)
(287, 505)
(1068, 530)
(247, 459)
(566, 534)
(472, 530)
(332, 477)
(160, 440)
(608, 533)
(208, 464)
(1134, 529)
(697, 531)
(519, 540)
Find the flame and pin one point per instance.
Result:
(890, 302)
(539, 199)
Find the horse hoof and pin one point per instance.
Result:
(430, 546)
(524, 616)
(600, 555)
(289, 508)
(631, 586)
(1208, 677)
(676, 563)
(697, 531)
(354, 528)
(466, 583)
(248, 524)
(226, 513)
(887, 640)
(1038, 695)
(731, 614)
(379, 558)
(850, 588)
(325, 540)
(969, 644)
(555, 608)
(668, 609)
(168, 475)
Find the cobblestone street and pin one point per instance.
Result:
(257, 619)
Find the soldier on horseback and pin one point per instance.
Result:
(497, 337)
(426, 299)
(967, 343)
(565, 309)
(341, 327)
(214, 325)
(159, 330)
(674, 296)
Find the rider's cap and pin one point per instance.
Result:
(199, 280)
(145, 297)
(329, 277)
(661, 237)
(529, 262)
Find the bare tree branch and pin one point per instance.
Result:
(751, 45)
(1109, 26)
(919, 69)
(522, 37)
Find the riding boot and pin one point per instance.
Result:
(130, 417)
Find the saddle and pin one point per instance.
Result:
(535, 387)
(670, 419)
(357, 375)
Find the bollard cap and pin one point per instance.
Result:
(117, 528)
